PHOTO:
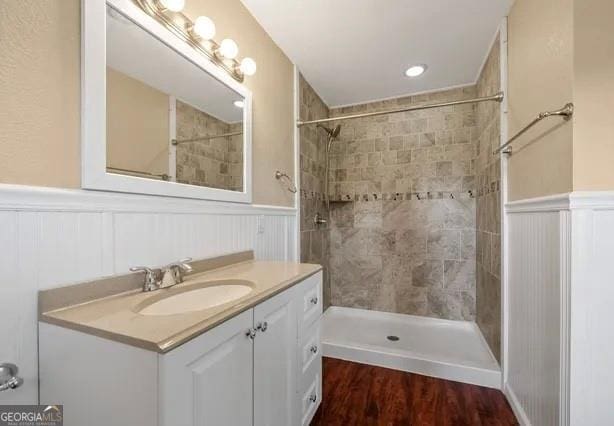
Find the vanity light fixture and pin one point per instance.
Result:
(228, 49)
(415, 70)
(173, 5)
(199, 34)
(204, 28)
(248, 66)
(238, 104)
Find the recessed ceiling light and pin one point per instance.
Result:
(415, 70)
(239, 104)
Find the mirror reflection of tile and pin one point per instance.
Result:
(148, 82)
(212, 162)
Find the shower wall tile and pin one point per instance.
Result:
(315, 239)
(443, 244)
(405, 241)
(488, 206)
(458, 274)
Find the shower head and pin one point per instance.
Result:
(332, 133)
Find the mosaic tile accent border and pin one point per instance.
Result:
(388, 196)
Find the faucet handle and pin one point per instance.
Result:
(174, 272)
(183, 264)
(152, 277)
(141, 269)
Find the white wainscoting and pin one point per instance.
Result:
(560, 296)
(53, 237)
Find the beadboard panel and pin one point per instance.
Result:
(591, 344)
(52, 237)
(534, 314)
(560, 298)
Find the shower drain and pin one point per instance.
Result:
(392, 338)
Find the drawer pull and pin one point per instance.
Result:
(314, 349)
(251, 333)
(313, 397)
(314, 300)
(262, 326)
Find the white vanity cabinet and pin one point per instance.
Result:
(262, 367)
(275, 347)
(209, 380)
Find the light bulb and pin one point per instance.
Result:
(173, 5)
(228, 49)
(204, 28)
(238, 104)
(248, 66)
(415, 71)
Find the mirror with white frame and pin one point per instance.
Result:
(174, 123)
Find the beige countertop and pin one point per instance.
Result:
(115, 317)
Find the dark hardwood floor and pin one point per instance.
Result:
(358, 394)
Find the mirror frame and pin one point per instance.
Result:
(94, 173)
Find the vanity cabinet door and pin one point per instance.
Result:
(209, 380)
(275, 358)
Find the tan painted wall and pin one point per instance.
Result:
(593, 133)
(540, 49)
(137, 125)
(39, 93)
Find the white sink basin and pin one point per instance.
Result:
(196, 297)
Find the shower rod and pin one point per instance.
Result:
(162, 176)
(205, 138)
(496, 98)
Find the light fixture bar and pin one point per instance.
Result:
(183, 27)
(496, 98)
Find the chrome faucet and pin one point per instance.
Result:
(168, 276)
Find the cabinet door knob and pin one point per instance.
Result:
(251, 333)
(8, 377)
(314, 300)
(262, 326)
(314, 349)
(313, 397)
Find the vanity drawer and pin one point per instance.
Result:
(310, 395)
(311, 301)
(310, 350)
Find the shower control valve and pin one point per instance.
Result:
(319, 220)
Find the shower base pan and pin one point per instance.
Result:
(451, 350)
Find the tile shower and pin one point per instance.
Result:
(216, 163)
(314, 238)
(406, 243)
(488, 208)
(413, 224)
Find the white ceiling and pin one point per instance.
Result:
(136, 53)
(353, 51)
